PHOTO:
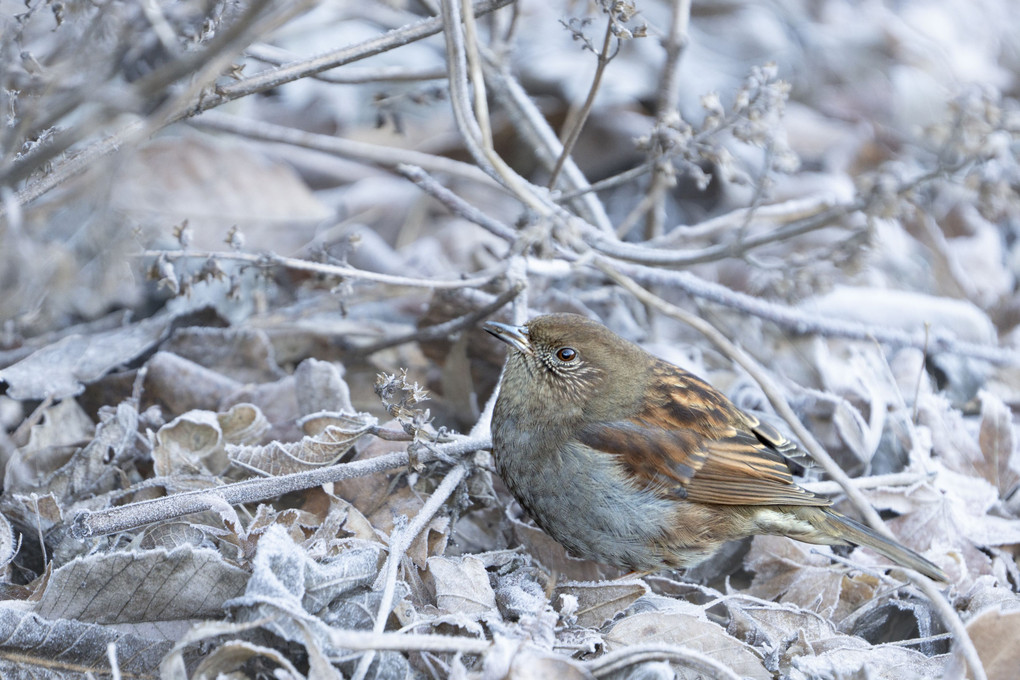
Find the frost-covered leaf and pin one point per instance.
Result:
(197, 441)
(996, 635)
(312, 451)
(91, 470)
(1000, 459)
(321, 387)
(763, 621)
(234, 656)
(949, 515)
(171, 535)
(291, 591)
(144, 585)
(215, 184)
(242, 424)
(37, 647)
(9, 543)
(462, 586)
(189, 444)
(242, 355)
(691, 632)
(182, 385)
(598, 602)
(791, 572)
(845, 656)
(63, 369)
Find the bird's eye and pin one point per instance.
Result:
(566, 354)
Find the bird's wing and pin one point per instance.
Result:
(690, 442)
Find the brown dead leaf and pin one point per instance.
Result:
(691, 632)
(792, 573)
(462, 586)
(321, 387)
(63, 369)
(312, 451)
(996, 635)
(598, 602)
(1000, 460)
(192, 443)
(846, 656)
(144, 585)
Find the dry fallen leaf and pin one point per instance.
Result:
(691, 632)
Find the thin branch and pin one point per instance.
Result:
(892, 479)
(614, 662)
(664, 176)
(406, 642)
(441, 330)
(134, 515)
(797, 321)
(352, 75)
(619, 179)
(961, 639)
(376, 154)
(539, 136)
(272, 260)
(455, 203)
(474, 64)
(533, 197)
(400, 541)
(775, 214)
(470, 130)
(345, 55)
(656, 255)
(582, 117)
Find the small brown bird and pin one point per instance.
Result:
(629, 460)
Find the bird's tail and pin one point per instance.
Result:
(858, 534)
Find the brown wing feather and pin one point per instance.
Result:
(688, 440)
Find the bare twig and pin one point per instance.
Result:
(470, 130)
(444, 329)
(406, 642)
(800, 322)
(134, 515)
(570, 139)
(272, 260)
(376, 154)
(537, 134)
(654, 254)
(614, 662)
(663, 176)
(455, 203)
(872, 482)
(400, 541)
(351, 75)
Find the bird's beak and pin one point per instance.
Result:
(515, 336)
